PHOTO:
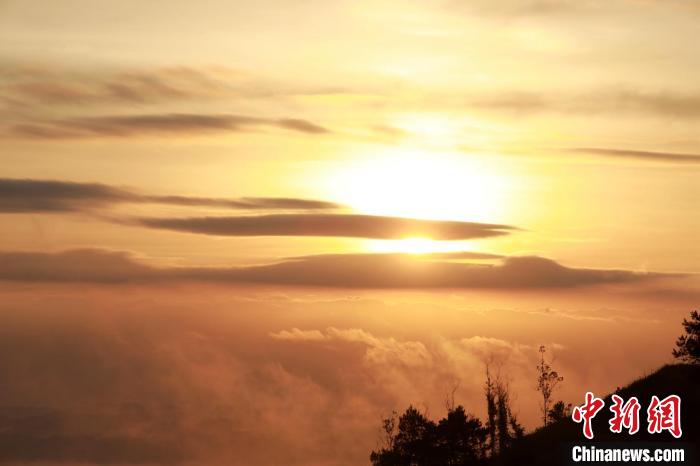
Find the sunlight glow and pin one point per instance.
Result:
(432, 126)
(416, 246)
(409, 182)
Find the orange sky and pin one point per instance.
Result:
(331, 197)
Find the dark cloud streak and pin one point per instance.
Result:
(28, 195)
(337, 225)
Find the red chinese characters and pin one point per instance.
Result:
(662, 415)
(665, 415)
(587, 412)
(625, 415)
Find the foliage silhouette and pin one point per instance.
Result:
(458, 439)
(559, 411)
(688, 345)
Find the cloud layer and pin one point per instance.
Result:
(386, 271)
(118, 382)
(97, 375)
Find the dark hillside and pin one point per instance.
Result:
(547, 446)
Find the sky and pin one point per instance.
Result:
(241, 233)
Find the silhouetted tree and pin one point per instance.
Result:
(547, 381)
(461, 439)
(389, 426)
(688, 345)
(559, 411)
(518, 431)
(411, 444)
(491, 410)
(502, 416)
(456, 440)
(502, 426)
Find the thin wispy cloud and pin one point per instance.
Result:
(605, 101)
(36, 85)
(28, 195)
(513, 9)
(638, 154)
(154, 124)
(30, 85)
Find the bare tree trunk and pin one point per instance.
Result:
(491, 410)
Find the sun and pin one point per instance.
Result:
(409, 182)
(414, 183)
